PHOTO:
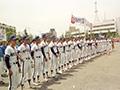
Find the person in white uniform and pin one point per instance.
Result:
(52, 58)
(46, 57)
(12, 63)
(2, 64)
(64, 55)
(60, 61)
(25, 54)
(70, 52)
(37, 57)
(56, 53)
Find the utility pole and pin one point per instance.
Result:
(96, 20)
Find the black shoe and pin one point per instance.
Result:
(2, 83)
(33, 80)
(4, 75)
(22, 86)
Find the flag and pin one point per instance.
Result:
(77, 20)
(87, 23)
(81, 21)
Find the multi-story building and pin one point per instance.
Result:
(52, 34)
(104, 27)
(72, 31)
(101, 28)
(118, 25)
(6, 31)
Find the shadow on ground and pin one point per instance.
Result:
(64, 76)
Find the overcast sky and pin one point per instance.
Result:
(40, 15)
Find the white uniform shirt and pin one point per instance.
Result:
(50, 45)
(37, 51)
(12, 53)
(64, 45)
(60, 47)
(46, 49)
(55, 47)
(24, 51)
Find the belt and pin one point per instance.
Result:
(47, 52)
(38, 56)
(28, 58)
(15, 62)
(24, 51)
(37, 50)
(63, 51)
(68, 50)
(12, 54)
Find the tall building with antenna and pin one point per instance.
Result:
(96, 20)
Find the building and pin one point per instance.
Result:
(6, 31)
(52, 34)
(72, 30)
(118, 25)
(105, 27)
(101, 28)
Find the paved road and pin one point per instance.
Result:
(102, 73)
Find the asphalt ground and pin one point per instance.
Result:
(100, 73)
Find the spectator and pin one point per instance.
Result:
(1, 64)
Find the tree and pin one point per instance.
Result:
(92, 36)
(10, 31)
(87, 35)
(25, 32)
(109, 34)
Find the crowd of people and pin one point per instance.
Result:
(44, 57)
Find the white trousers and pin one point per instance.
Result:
(26, 70)
(45, 65)
(14, 79)
(68, 57)
(38, 67)
(62, 59)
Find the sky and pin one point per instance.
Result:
(38, 16)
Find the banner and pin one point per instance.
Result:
(81, 21)
(77, 20)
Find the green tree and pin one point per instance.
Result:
(10, 31)
(25, 32)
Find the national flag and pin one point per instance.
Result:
(77, 20)
(81, 21)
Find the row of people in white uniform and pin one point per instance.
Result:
(50, 57)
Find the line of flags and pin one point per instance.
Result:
(81, 21)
